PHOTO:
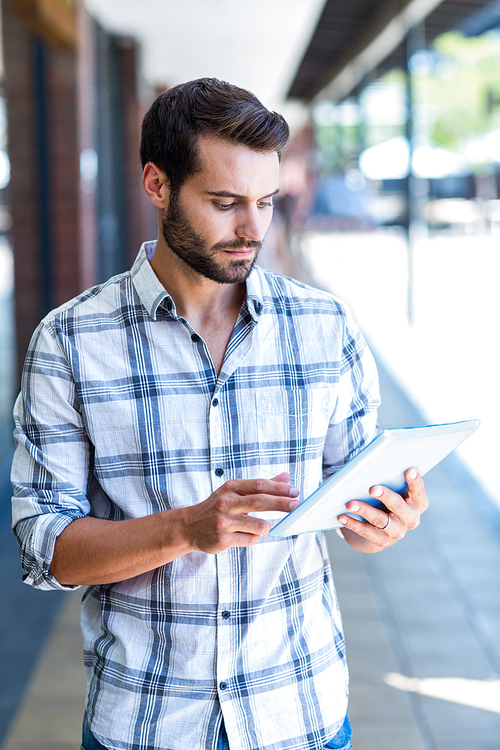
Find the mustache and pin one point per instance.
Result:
(237, 245)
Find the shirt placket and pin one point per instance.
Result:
(217, 473)
(224, 640)
(218, 447)
(227, 628)
(227, 586)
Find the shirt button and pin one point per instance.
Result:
(226, 615)
(223, 685)
(219, 472)
(215, 402)
(195, 337)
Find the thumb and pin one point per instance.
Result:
(283, 477)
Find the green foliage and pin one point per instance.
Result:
(463, 89)
(456, 95)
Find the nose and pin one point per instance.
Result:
(252, 225)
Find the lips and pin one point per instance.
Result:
(241, 251)
(237, 246)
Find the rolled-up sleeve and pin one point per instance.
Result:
(354, 421)
(50, 470)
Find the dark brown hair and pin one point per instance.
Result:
(205, 106)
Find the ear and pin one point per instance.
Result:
(156, 185)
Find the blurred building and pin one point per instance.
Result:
(75, 96)
(73, 118)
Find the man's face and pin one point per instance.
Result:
(217, 222)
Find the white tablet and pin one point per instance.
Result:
(383, 461)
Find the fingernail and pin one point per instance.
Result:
(294, 504)
(377, 491)
(294, 491)
(354, 507)
(412, 474)
(342, 519)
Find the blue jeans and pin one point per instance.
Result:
(341, 741)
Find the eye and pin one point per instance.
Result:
(266, 204)
(224, 206)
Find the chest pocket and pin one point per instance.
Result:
(292, 427)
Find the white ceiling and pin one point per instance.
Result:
(257, 44)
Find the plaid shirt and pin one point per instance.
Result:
(122, 415)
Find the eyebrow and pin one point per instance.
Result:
(227, 194)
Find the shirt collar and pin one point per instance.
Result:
(147, 285)
(153, 295)
(255, 296)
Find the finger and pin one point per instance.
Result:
(240, 539)
(283, 477)
(394, 503)
(416, 493)
(244, 524)
(373, 534)
(244, 540)
(374, 516)
(242, 496)
(246, 487)
(230, 537)
(261, 503)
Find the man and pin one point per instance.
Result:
(167, 418)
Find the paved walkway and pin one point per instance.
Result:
(422, 624)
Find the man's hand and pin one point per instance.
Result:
(223, 521)
(95, 551)
(382, 529)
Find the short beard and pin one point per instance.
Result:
(193, 250)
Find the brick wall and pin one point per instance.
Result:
(64, 175)
(57, 258)
(23, 188)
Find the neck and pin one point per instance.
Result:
(196, 298)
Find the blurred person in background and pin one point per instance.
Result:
(167, 418)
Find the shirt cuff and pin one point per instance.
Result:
(37, 538)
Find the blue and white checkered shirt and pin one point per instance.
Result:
(122, 415)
